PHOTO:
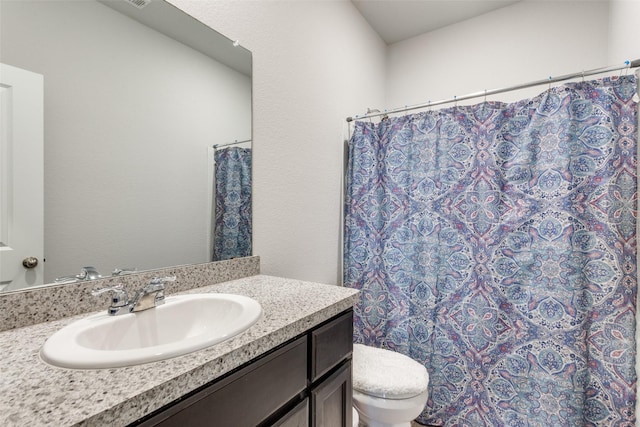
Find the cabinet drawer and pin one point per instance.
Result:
(247, 397)
(330, 344)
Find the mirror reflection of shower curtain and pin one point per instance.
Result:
(232, 228)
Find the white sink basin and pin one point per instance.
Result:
(181, 325)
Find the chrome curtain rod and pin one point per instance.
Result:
(550, 80)
(231, 143)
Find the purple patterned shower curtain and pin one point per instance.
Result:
(496, 244)
(233, 219)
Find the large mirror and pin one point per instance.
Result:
(135, 95)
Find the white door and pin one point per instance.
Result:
(21, 178)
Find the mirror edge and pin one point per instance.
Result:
(10, 299)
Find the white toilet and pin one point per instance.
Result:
(389, 388)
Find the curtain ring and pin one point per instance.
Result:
(626, 69)
(484, 102)
(371, 111)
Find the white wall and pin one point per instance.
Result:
(624, 31)
(314, 64)
(530, 40)
(127, 133)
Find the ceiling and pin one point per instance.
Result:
(397, 20)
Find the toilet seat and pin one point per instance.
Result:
(386, 374)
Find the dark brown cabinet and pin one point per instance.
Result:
(305, 382)
(331, 343)
(331, 400)
(297, 417)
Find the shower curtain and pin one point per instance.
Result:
(232, 232)
(496, 244)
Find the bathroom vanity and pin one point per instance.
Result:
(291, 368)
(305, 382)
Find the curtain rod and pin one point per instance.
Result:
(550, 80)
(231, 143)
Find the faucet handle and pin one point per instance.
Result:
(89, 273)
(157, 285)
(119, 298)
(151, 295)
(158, 282)
(124, 270)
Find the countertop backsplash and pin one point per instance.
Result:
(54, 302)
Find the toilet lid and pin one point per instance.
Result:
(387, 374)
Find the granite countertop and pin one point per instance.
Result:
(37, 394)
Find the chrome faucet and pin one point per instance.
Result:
(119, 300)
(152, 295)
(86, 273)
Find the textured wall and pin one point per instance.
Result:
(624, 30)
(314, 64)
(530, 40)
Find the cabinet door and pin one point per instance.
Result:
(331, 400)
(330, 344)
(297, 417)
(246, 398)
